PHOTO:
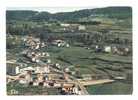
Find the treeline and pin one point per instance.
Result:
(85, 22)
(19, 14)
(111, 12)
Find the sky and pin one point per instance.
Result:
(51, 9)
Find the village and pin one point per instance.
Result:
(49, 74)
(74, 53)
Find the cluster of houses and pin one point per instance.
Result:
(42, 76)
(119, 50)
(72, 27)
(33, 43)
(35, 55)
(34, 75)
(42, 73)
(70, 88)
(60, 43)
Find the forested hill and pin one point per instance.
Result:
(19, 14)
(111, 12)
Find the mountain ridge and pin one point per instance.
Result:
(111, 12)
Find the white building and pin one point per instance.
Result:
(67, 45)
(107, 49)
(81, 27)
(35, 83)
(46, 69)
(22, 81)
(48, 61)
(47, 55)
(65, 25)
(67, 69)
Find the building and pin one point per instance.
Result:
(107, 49)
(40, 77)
(24, 70)
(35, 83)
(12, 69)
(28, 77)
(46, 69)
(81, 27)
(64, 25)
(123, 51)
(67, 45)
(87, 77)
(67, 70)
(60, 43)
(57, 85)
(48, 61)
(98, 48)
(22, 80)
(67, 87)
(70, 88)
(42, 69)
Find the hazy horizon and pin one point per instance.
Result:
(51, 9)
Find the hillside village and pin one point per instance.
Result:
(68, 57)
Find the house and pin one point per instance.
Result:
(114, 50)
(56, 65)
(77, 90)
(46, 84)
(107, 49)
(40, 77)
(66, 77)
(81, 27)
(37, 46)
(60, 43)
(46, 77)
(42, 69)
(28, 77)
(70, 88)
(48, 61)
(64, 25)
(45, 54)
(57, 85)
(24, 70)
(98, 48)
(86, 76)
(25, 78)
(67, 45)
(121, 50)
(37, 60)
(22, 81)
(35, 83)
(73, 72)
(34, 59)
(46, 69)
(43, 44)
(67, 70)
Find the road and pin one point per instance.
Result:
(77, 82)
(94, 82)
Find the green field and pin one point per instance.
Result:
(87, 62)
(111, 88)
